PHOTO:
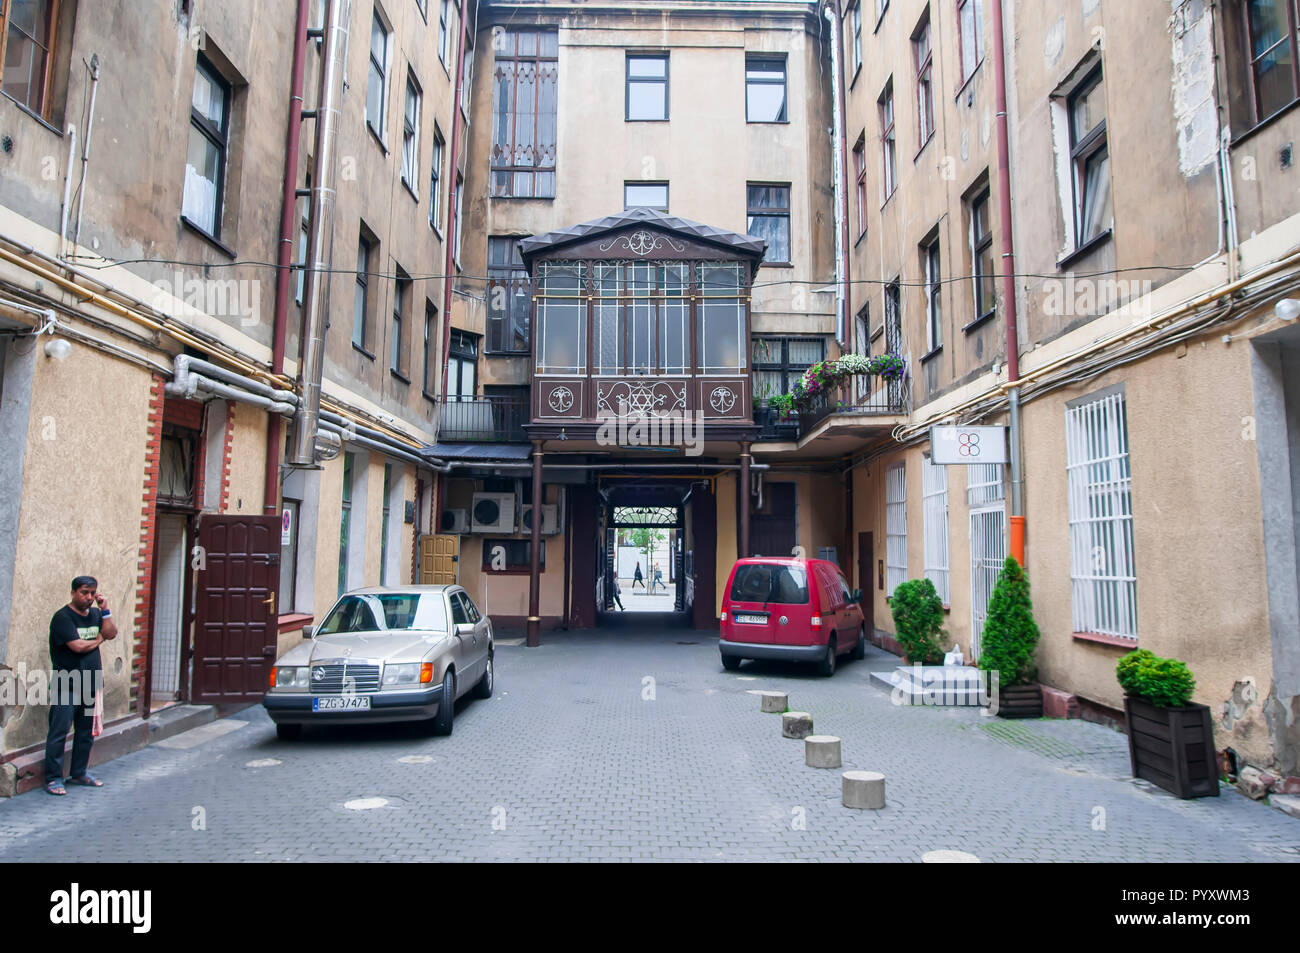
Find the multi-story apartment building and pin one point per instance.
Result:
(1153, 218)
(569, 252)
(148, 173)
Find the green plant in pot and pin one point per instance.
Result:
(1008, 641)
(1170, 738)
(918, 621)
(783, 404)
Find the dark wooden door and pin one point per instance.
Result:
(866, 557)
(772, 531)
(583, 506)
(235, 626)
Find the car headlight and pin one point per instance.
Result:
(407, 673)
(291, 677)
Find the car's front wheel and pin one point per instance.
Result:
(731, 662)
(288, 732)
(442, 721)
(484, 687)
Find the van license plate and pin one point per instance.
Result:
(752, 619)
(341, 703)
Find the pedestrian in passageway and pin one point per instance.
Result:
(613, 585)
(658, 579)
(637, 577)
(76, 633)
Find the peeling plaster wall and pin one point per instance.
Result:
(1192, 84)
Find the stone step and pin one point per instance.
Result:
(175, 719)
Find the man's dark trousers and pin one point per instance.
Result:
(80, 717)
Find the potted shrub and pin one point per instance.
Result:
(918, 621)
(1007, 644)
(1170, 738)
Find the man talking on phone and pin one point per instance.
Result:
(76, 633)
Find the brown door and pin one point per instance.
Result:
(439, 556)
(235, 626)
(704, 545)
(866, 557)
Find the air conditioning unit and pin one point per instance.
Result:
(454, 521)
(550, 519)
(493, 513)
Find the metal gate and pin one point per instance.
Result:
(986, 496)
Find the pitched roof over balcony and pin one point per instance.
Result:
(746, 245)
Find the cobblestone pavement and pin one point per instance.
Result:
(634, 744)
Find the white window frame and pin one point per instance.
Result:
(895, 526)
(1103, 573)
(932, 259)
(411, 134)
(934, 502)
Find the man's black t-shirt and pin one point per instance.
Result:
(67, 626)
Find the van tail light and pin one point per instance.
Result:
(723, 617)
(816, 622)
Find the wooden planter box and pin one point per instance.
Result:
(1021, 701)
(1172, 747)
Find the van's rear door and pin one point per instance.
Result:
(762, 594)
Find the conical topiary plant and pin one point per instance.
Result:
(918, 620)
(1010, 632)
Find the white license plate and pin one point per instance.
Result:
(341, 703)
(753, 619)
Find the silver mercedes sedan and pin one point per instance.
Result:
(384, 655)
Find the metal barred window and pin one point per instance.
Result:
(525, 76)
(986, 496)
(895, 527)
(1102, 570)
(934, 497)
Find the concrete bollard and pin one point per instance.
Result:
(821, 751)
(864, 790)
(796, 724)
(774, 702)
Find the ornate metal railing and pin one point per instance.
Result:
(860, 394)
(483, 419)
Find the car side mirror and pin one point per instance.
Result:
(308, 631)
(464, 628)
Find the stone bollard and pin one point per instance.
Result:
(774, 702)
(864, 789)
(796, 724)
(821, 751)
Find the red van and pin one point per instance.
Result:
(799, 610)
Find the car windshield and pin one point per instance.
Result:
(394, 611)
(787, 585)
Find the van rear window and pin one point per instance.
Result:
(787, 585)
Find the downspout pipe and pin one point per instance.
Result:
(85, 148)
(449, 270)
(284, 253)
(832, 13)
(311, 362)
(1008, 282)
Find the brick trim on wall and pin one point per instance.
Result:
(144, 567)
(227, 445)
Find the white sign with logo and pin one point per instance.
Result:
(967, 445)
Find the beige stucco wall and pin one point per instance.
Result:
(81, 512)
(247, 461)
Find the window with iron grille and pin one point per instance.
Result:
(934, 502)
(769, 218)
(1103, 573)
(765, 89)
(888, 142)
(524, 87)
(895, 527)
(510, 297)
(894, 318)
(779, 362)
(923, 55)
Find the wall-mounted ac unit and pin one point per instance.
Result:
(454, 521)
(493, 513)
(550, 519)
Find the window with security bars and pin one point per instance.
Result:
(1103, 573)
(780, 362)
(934, 501)
(509, 297)
(524, 86)
(986, 498)
(895, 527)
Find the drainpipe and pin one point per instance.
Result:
(534, 629)
(832, 13)
(315, 308)
(1008, 281)
(284, 255)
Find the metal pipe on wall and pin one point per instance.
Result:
(85, 148)
(311, 363)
